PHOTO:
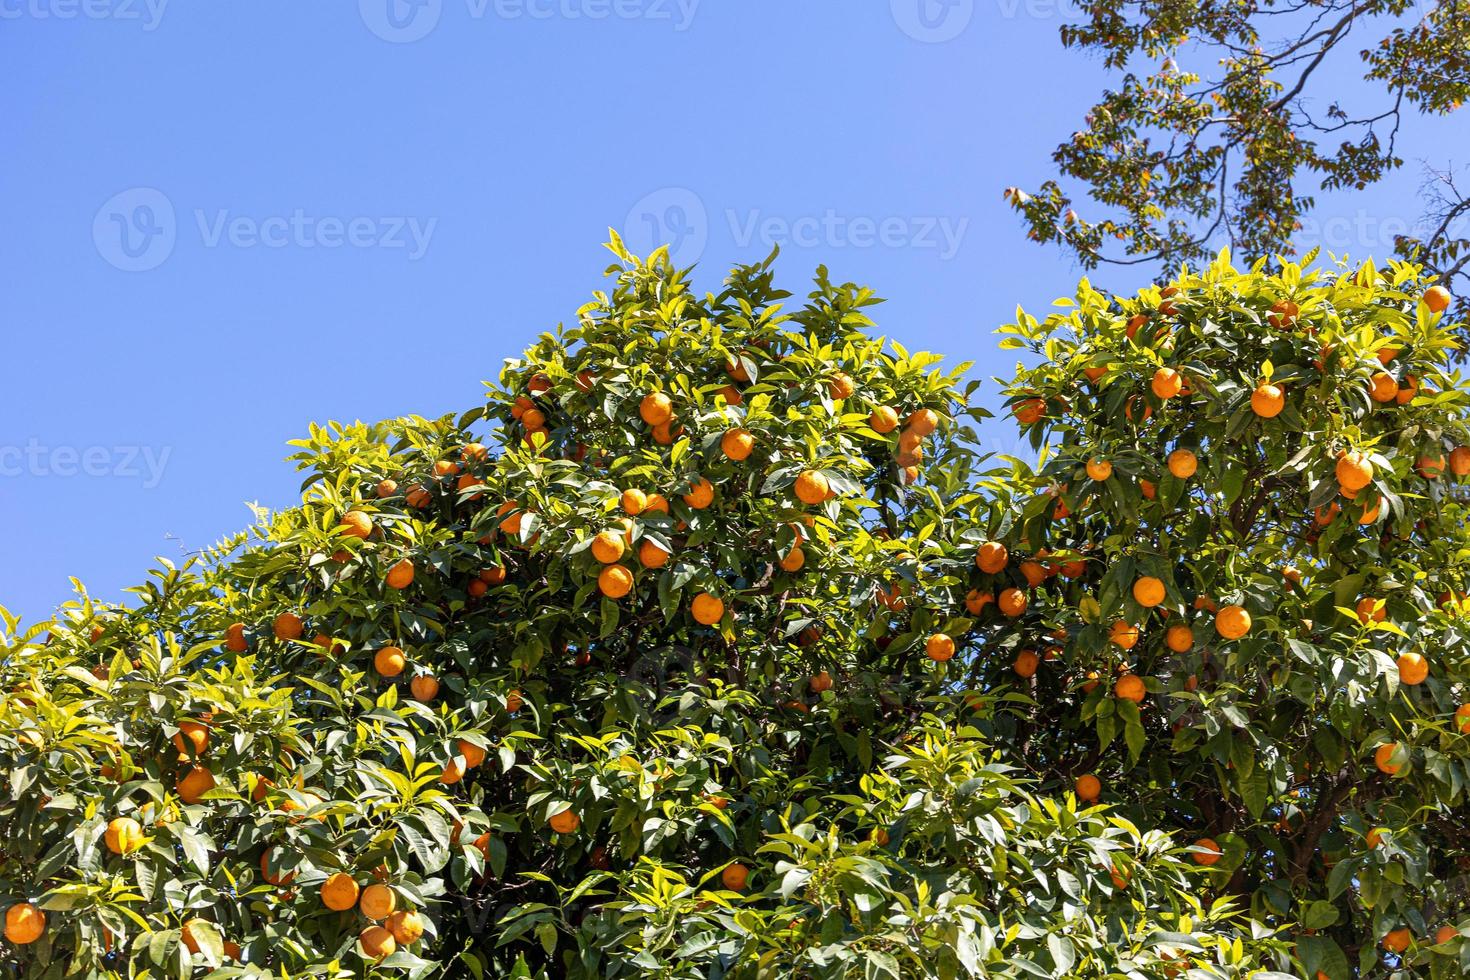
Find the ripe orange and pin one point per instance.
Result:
(1445, 934)
(194, 783)
(1375, 836)
(655, 408)
(287, 626)
(1088, 788)
(923, 422)
(812, 487)
(24, 923)
(1029, 410)
(939, 647)
(1397, 940)
(513, 702)
(187, 936)
(1283, 314)
(453, 771)
(821, 682)
(1430, 467)
(737, 444)
(565, 822)
(235, 641)
(976, 601)
(615, 581)
(1408, 391)
(1123, 634)
(841, 386)
(607, 547)
(1148, 489)
(1149, 592)
(1462, 719)
(377, 943)
(386, 488)
(735, 876)
(1026, 663)
(477, 588)
(1385, 388)
(1034, 573)
(124, 835)
(701, 494)
(707, 609)
(1207, 852)
(1232, 622)
(1099, 469)
(278, 878)
(389, 661)
(356, 524)
(793, 560)
(651, 555)
(1166, 383)
(1130, 688)
(633, 501)
(377, 902)
(1183, 463)
(400, 576)
(1012, 602)
(883, 420)
(992, 557)
(419, 496)
(1268, 401)
(1179, 638)
(339, 892)
(1460, 461)
(1437, 298)
(192, 736)
(1389, 759)
(1095, 374)
(1413, 669)
(406, 926)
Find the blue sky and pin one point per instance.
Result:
(223, 221)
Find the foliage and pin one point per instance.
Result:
(794, 782)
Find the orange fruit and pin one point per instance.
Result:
(377, 943)
(513, 702)
(923, 422)
(1268, 401)
(24, 923)
(1149, 592)
(735, 876)
(1413, 669)
(1148, 489)
(737, 444)
(651, 555)
(615, 581)
(1179, 638)
(419, 496)
(1034, 573)
(265, 872)
(1232, 622)
(976, 601)
(187, 936)
(1088, 788)
(565, 822)
(1026, 663)
(1099, 469)
(1283, 313)
(1123, 634)
(701, 494)
(1095, 374)
(339, 892)
(1183, 463)
(883, 420)
(389, 661)
(1397, 940)
(1445, 934)
(386, 488)
(453, 771)
(1029, 411)
(1207, 852)
(1437, 298)
(607, 547)
(794, 560)
(841, 386)
(1462, 719)
(939, 647)
(192, 736)
(1012, 602)
(356, 524)
(1166, 383)
(1385, 388)
(493, 575)
(821, 682)
(473, 754)
(124, 835)
(992, 557)
(1430, 467)
(633, 502)
(377, 902)
(1388, 758)
(400, 576)
(1134, 323)
(1407, 391)
(1375, 836)
(406, 926)
(194, 783)
(1460, 461)
(287, 626)
(1130, 688)
(655, 408)
(706, 609)
(474, 452)
(477, 588)
(235, 641)
(812, 487)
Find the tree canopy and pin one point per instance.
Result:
(710, 645)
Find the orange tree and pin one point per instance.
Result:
(710, 646)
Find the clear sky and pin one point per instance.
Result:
(222, 221)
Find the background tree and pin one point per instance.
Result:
(1223, 124)
(709, 647)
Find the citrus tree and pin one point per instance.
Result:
(710, 646)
